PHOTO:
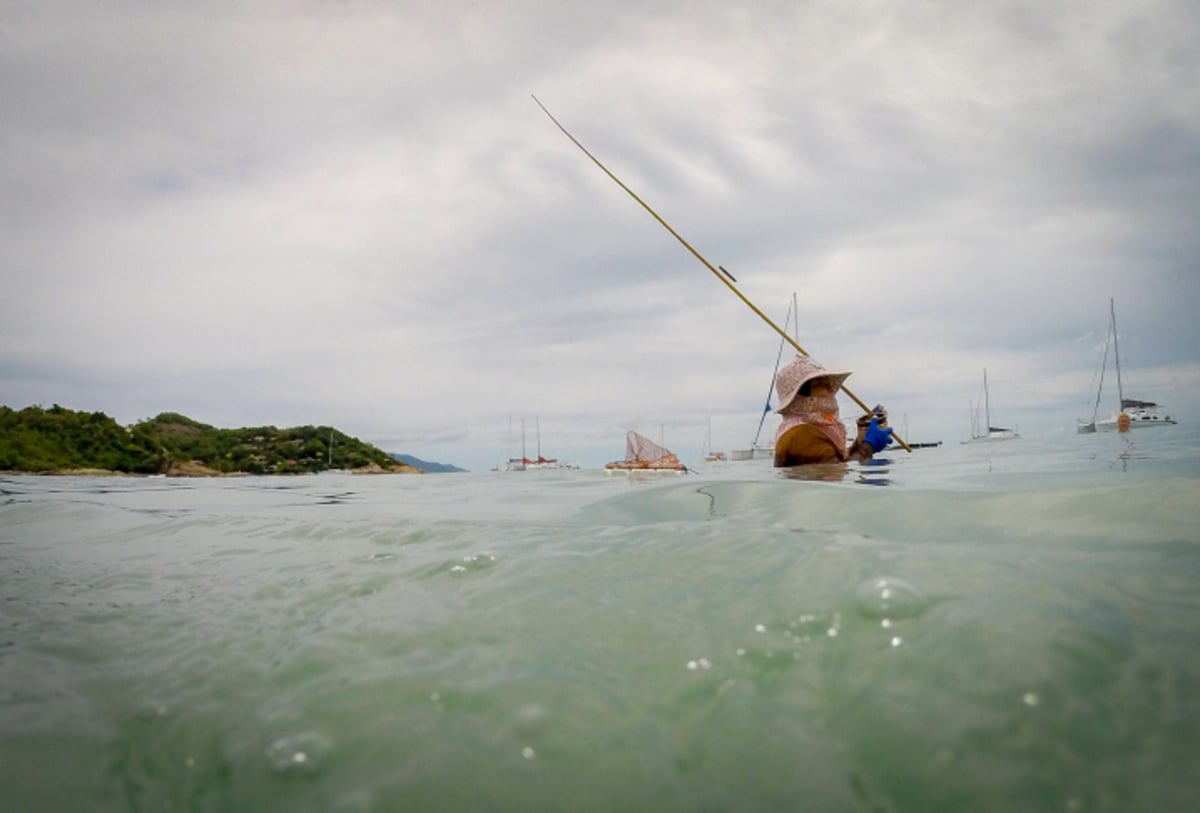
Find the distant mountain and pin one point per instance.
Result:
(425, 465)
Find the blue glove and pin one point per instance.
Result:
(878, 438)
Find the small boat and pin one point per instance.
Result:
(644, 456)
(1133, 412)
(988, 433)
(931, 444)
(711, 456)
(756, 451)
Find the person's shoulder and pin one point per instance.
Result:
(801, 436)
(806, 444)
(805, 431)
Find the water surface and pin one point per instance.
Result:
(1002, 627)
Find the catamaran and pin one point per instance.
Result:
(1140, 414)
(525, 463)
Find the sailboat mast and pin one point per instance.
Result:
(791, 314)
(1112, 309)
(1100, 388)
(987, 407)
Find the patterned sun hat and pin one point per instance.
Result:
(803, 368)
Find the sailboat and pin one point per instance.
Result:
(1139, 414)
(711, 456)
(516, 463)
(643, 455)
(540, 462)
(329, 469)
(524, 462)
(756, 450)
(987, 432)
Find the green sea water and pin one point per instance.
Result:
(1011, 627)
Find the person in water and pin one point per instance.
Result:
(810, 430)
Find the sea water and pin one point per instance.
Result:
(982, 627)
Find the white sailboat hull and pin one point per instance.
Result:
(1135, 422)
(758, 452)
(993, 437)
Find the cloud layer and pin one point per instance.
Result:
(354, 214)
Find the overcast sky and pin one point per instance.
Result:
(353, 213)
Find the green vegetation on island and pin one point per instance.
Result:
(59, 440)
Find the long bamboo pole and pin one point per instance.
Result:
(723, 277)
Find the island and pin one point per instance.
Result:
(57, 440)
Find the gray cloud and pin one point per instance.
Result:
(355, 214)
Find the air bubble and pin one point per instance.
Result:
(297, 754)
(886, 597)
